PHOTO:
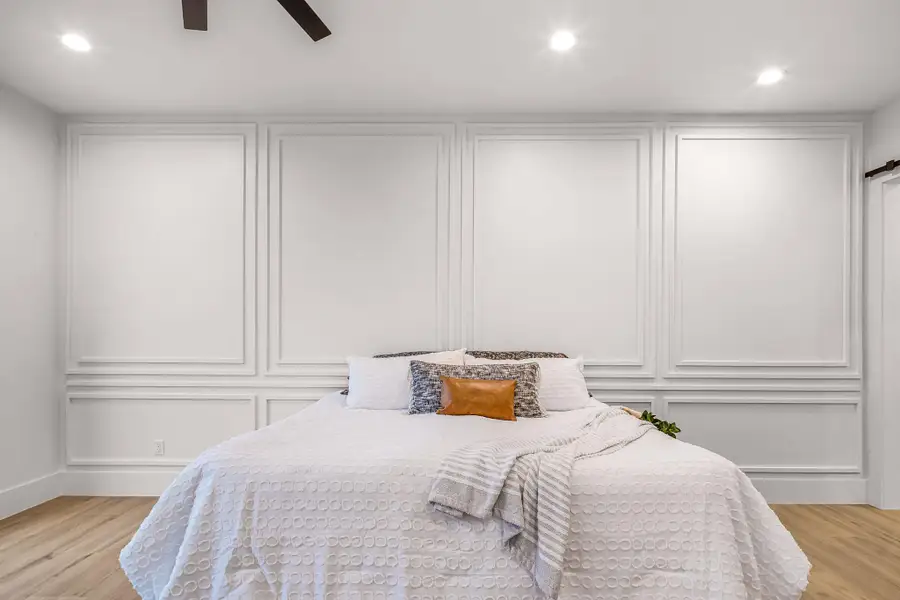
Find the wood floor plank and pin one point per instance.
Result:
(49, 544)
(28, 568)
(68, 549)
(854, 550)
(114, 587)
(87, 568)
(39, 519)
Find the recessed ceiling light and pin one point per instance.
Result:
(562, 41)
(770, 76)
(76, 42)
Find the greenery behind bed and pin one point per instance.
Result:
(667, 428)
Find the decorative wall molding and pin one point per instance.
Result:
(326, 384)
(304, 400)
(77, 133)
(848, 365)
(853, 400)
(648, 167)
(656, 376)
(443, 134)
(332, 383)
(74, 398)
(800, 399)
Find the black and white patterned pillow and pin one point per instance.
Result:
(513, 354)
(426, 385)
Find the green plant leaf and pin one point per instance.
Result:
(667, 428)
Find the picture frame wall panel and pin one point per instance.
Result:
(775, 433)
(763, 251)
(358, 242)
(281, 406)
(161, 260)
(121, 428)
(570, 244)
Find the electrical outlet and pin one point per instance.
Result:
(159, 447)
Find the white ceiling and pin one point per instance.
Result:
(466, 56)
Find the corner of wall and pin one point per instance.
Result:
(34, 379)
(31, 493)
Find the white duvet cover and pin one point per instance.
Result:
(331, 504)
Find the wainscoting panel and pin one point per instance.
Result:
(762, 243)
(281, 407)
(161, 248)
(120, 429)
(708, 272)
(775, 434)
(559, 224)
(358, 237)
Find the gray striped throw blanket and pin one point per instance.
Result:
(526, 484)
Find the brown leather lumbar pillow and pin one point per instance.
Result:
(493, 399)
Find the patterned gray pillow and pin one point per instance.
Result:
(513, 354)
(426, 384)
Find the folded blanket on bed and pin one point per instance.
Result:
(526, 484)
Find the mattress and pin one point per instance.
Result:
(331, 504)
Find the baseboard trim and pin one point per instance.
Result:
(29, 494)
(86, 482)
(811, 490)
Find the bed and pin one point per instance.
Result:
(331, 504)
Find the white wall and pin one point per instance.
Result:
(30, 382)
(883, 135)
(219, 273)
(883, 314)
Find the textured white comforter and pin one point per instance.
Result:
(332, 504)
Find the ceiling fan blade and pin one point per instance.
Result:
(306, 18)
(194, 13)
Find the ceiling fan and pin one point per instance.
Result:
(195, 17)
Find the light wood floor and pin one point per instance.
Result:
(68, 549)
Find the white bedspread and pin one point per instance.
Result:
(331, 504)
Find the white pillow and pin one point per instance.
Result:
(562, 384)
(383, 383)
